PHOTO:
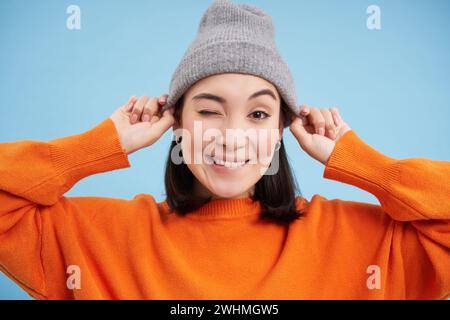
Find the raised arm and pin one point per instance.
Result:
(415, 194)
(35, 175)
(410, 231)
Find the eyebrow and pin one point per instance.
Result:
(222, 100)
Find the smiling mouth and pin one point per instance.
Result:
(227, 164)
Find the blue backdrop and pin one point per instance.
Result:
(391, 85)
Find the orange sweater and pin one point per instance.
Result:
(58, 247)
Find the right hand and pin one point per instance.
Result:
(139, 122)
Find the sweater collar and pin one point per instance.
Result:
(223, 208)
(229, 208)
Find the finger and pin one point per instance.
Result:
(329, 123)
(298, 130)
(132, 99)
(304, 110)
(318, 121)
(335, 113)
(164, 123)
(129, 105)
(163, 99)
(137, 110)
(304, 121)
(154, 119)
(341, 121)
(150, 109)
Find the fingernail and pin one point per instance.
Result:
(146, 117)
(321, 131)
(134, 118)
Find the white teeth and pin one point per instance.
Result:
(228, 164)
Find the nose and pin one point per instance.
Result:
(232, 144)
(231, 147)
(231, 131)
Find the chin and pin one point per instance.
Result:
(224, 185)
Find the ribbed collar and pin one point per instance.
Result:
(224, 208)
(228, 208)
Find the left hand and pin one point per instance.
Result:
(140, 123)
(318, 130)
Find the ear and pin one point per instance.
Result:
(176, 125)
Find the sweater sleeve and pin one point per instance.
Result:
(415, 194)
(35, 175)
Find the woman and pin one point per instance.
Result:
(232, 226)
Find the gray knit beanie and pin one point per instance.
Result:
(238, 38)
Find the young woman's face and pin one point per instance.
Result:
(230, 133)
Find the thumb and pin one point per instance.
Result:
(164, 123)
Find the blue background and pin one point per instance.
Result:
(392, 85)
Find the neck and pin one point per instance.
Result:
(204, 193)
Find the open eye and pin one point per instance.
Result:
(260, 115)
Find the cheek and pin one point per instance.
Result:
(194, 144)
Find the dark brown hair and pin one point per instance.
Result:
(276, 192)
